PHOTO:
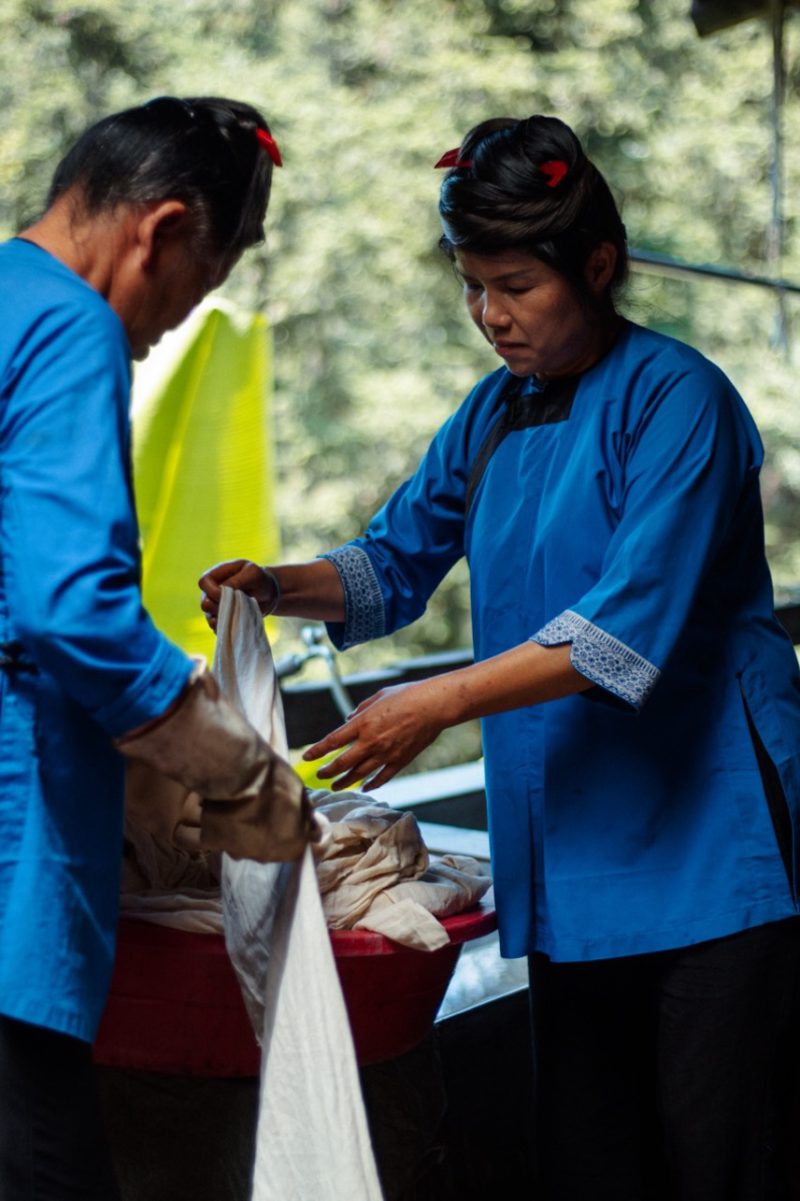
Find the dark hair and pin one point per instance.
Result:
(201, 151)
(503, 201)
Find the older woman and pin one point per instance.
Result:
(148, 211)
(603, 485)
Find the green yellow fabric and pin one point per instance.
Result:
(203, 462)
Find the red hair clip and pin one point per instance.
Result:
(270, 145)
(451, 159)
(555, 172)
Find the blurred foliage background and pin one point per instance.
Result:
(371, 347)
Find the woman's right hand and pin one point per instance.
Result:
(251, 579)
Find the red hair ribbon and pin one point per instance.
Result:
(451, 159)
(555, 172)
(270, 145)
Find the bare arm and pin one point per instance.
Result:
(312, 590)
(390, 729)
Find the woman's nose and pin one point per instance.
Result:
(494, 315)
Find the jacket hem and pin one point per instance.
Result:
(52, 1017)
(670, 938)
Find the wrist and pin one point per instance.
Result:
(445, 699)
(270, 605)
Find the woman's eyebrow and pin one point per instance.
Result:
(522, 274)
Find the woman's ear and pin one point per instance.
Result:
(161, 226)
(600, 267)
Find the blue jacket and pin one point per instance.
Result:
(618, 512)
(81, 660)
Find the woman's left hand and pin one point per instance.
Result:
(382, 735)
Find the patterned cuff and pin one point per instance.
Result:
(602, 658)
(365, 615)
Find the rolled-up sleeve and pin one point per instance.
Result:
(691, 474)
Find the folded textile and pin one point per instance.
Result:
(375, 873)
(373, 869)
(168, 885)
(190, 909)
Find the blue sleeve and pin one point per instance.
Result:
(70, 556)
(412, 542)
(692, 462)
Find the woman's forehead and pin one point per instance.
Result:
(500, 267)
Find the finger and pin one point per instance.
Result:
(211, 580)
(331, 742)
(247, 579)
(356, 776)
(209, 607)
(386, 773)
(347, 783)
(363, 706)
(349, 759)
(354, 760)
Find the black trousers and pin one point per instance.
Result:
(52, 1144)
(671, 1075)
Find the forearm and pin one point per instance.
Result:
(390, 729)
(313, 590)
(525, 675)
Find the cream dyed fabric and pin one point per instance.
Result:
(374, 873)
(164, 878)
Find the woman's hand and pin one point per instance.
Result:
(382, 735)
(251, 579)
(310, 590)
(390, 729)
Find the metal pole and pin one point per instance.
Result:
(775, 232)
(664, 264)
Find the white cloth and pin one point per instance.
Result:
(312, 1138)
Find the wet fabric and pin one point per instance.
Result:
(630, 818)
(83, 662)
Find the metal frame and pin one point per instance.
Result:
(666, 265)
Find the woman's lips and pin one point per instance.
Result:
(504, 348)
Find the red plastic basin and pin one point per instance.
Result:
(175, 1004)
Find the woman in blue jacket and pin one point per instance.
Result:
(603, 486)
(147, 212)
